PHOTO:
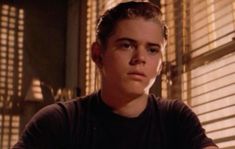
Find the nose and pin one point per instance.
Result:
(138, 56)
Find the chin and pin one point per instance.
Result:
(135, 92)
(134, 88)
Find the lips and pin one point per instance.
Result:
(137, 74)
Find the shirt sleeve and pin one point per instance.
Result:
(185, 127)
(46, 130)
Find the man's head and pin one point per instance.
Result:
(131, 39)
(130, 10)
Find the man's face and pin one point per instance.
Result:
(133, 57)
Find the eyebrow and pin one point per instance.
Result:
(134, 41)
(126, 39)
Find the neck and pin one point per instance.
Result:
(123, 104)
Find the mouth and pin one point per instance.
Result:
(136, 75)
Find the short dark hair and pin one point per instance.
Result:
(108, 21)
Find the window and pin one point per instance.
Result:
(170, 55)
(212, 24)
(200, 62)
(11, 72)
(212, 98)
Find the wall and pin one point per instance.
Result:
(44, 47)
(45, 41)
(76, 46)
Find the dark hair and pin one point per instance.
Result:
(108, 21)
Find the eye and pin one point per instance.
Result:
(154, 49)
(126, 45)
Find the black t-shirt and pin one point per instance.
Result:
(87, 123)
(118, 132)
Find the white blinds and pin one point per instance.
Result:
(208, 87)
(212, 89)
(90, 80)
(168, 11)
(11, 48)
(212, 24)
(9, 130)
(167, 7)
(11, 71)
(212, 86)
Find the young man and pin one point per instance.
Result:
(131, 39)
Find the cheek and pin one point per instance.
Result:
(155, 67)
(119, 60)
(113, 64)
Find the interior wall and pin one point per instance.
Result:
(45, 41)
(76, 46)
(44, 48)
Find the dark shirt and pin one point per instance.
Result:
(87, 123)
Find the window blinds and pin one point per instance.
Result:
(11, 70)
(208, 87)
(212, 24)
(211, 97)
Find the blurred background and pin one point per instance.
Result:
(45, 58)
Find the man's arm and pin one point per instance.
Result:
(192, 134)
(45, 130)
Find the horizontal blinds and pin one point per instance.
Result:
(11, 71)
(9, 130)
(168, 10)
(210, 92)
(11, 48)
(90, 68)
(212, 24)
(207, 88)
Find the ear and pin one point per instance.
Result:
(96, 54)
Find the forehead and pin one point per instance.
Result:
(138, 29)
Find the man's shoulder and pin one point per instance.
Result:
(79, 103)
(172, 108)
(168, 104)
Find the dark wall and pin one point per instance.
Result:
(45, 39)
(44, 48)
